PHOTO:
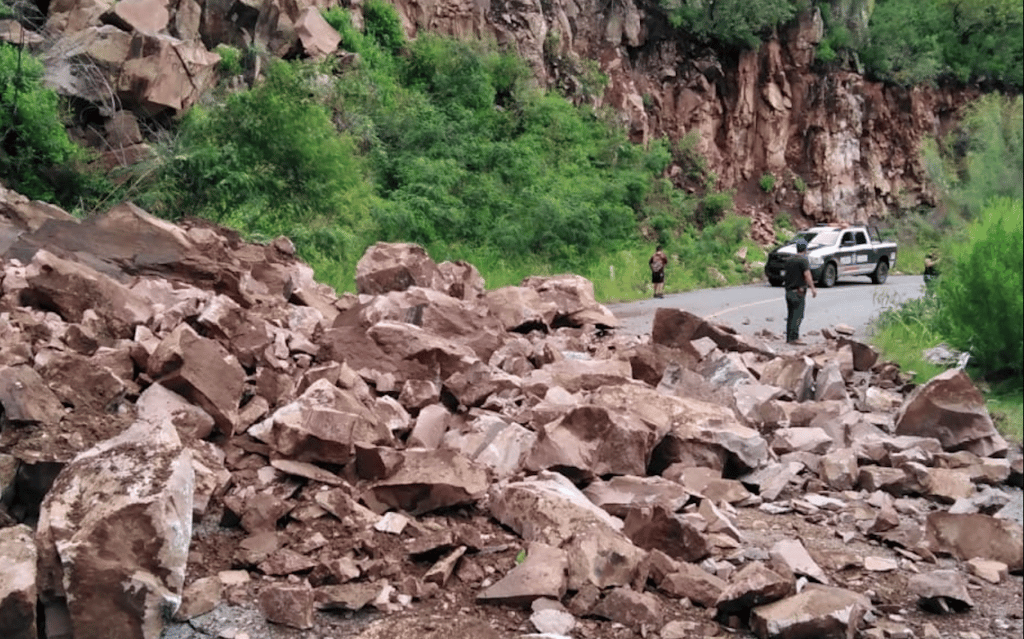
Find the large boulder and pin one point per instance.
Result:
(201, 370)
(591, 441)
(71, 288)
(574, 301)
(548, 508)
(114, 533)
(388, 267)
(951, 409)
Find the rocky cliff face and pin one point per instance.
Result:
(839, 147)
(852, 143)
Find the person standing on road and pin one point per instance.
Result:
(798, 280)
(657, 264)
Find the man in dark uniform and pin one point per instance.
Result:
(798, 280)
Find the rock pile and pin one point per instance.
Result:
(190, 421)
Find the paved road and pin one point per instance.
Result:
(749, 309)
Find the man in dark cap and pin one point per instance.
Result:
(798, 280)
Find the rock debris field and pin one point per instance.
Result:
(200, 441)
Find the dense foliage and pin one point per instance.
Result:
(914, 41)
(441, 142)
(977, 303)
(730, 23)
(34, 146)
(981, 294)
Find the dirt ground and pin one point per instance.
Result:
(452, 612)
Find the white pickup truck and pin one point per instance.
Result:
(835, 252)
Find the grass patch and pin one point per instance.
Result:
(1006, 406)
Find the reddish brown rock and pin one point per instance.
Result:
(318, 38)
(630, 608)
(619, 495)
(591, 441)
(71, 288)
(673, 534)
(941, 591)
(520, 308)
(976, 535)
(146, 16)
(432, 479)
(694, 583)
(25, 397)
(543, 573)
(549, 509)
(395, 267)
(574, 301)
(951, 409)
(818, 612)
(288, 604)
(201, 370)
(18, 590)
(158, 405)
(754, 585)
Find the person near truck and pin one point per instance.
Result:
(657, 264)
(798, 280)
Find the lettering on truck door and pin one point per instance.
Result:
(847, 254)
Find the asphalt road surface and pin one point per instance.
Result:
(748, 309)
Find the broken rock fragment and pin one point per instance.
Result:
(941, 591)
(976, 535)
(432, 479)
(17, 583)
(593, 441)
(288, 604)
(753, 585)
(543, 573)
(818, 612)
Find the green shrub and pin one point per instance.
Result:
(269, 158)
(799, 185)
(384, 25)
(230, 63)
(731, 23)
(714, 206)
(981, 292)
(36, 153)
(767, 182)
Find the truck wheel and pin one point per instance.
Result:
(828, 276)
(774, 282)
(881, 272)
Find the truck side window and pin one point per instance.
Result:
(861, 239)
(847, 239)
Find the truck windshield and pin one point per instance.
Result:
(824, 238)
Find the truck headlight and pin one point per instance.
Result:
(815, 261)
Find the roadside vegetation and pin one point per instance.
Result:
(977, 303)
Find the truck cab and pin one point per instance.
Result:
(835, 252)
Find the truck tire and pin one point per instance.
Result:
(881, 272)
(828, 276)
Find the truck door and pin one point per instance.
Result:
(846, 256)
(866, 255)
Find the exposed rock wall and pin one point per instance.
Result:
(853, 143)
(839, 147)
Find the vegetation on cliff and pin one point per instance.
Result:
(908, 42)
(444, 143)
